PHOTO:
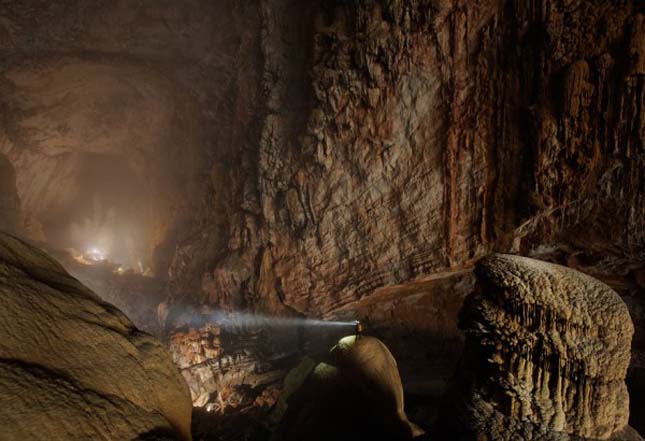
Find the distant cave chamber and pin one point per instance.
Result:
(105, 156)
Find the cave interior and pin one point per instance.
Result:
(249, 182)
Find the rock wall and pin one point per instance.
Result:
(547, 351)
(403, 138)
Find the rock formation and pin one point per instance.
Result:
(402, 139)
(418, 323)
(356, 396)
(547, 351)
(428, 133)
(75, 368)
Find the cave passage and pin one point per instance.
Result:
(104, 154)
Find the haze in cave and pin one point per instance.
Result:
(276, 220)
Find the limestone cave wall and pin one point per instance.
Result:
(400, 139)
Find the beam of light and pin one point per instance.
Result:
(244, 319)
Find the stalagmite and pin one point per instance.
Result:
(547, 351)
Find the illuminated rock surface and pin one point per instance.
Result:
(547, 351)
(356, 396)
(224, 371)
(75, 368)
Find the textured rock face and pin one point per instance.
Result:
(73, 367)
(547, 350)
(376, 141)
(432, 132)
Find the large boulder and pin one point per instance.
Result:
(357, 395)
(547, 351)
(73, 367)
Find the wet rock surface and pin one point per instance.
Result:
(547, 351)
(73, 367)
